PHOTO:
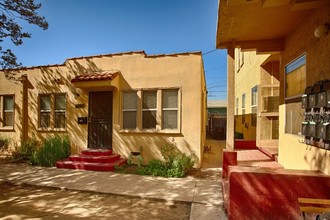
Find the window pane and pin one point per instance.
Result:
(295, 77)
(44, 119)
(170, 119)
(149, 99)
(8, 102)
(149, 119)
(293, 117)
(243, 100)
(129, 120)
(8, 119)
(254, 96)
(130, 99)
(60, 102)
(45, 103)
(59, 120)
(170, 98)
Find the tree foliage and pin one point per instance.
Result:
(11, 12)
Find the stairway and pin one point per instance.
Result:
(92, 159)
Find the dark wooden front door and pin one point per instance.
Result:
(100, 120)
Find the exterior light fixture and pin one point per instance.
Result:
(321, 30)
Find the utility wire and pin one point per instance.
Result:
(209, 52)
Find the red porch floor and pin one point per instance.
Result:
(257, 187)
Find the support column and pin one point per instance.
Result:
(230, 99)
(24, 136)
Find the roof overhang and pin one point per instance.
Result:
(260, 25)
(97, 80)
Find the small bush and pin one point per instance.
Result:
(52, 149)
(4, 143)
(25, 151)
(175, 164)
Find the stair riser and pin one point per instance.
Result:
(95, 160)
(96, 153)
(92, 167)
(86, 167)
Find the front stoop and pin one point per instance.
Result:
(92, 159)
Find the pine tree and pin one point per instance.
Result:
(12, 11)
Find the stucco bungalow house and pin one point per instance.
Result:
(125, 101)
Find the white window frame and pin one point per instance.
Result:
(3, 111)
(52, 111)
(159, 112)
(170, 109)
(130, 110)
(150, 109)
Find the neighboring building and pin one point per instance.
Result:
(217, 120)
(218, 107)
(275, 50)
(125, 101)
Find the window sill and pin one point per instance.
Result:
(51, 130)
(7, 129)
(148, 131)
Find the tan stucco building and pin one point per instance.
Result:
(125, 101)
(279, 48)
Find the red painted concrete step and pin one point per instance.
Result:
(97, 152)
(94, 159)
(67, 164)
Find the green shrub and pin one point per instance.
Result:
(175, 164)
(52, 149)
(4, 143)
(25, 151)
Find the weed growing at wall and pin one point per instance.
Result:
(25, 151)
(4, 143)
(52, 149)
(175, 163)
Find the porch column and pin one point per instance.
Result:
(24, 135)
(230, 98)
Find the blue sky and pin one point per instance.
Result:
(91, 27)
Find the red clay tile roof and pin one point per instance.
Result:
(107, 75)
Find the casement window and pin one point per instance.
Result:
(52, 109)
(254, 107)
(60, 108)
(295, 84)
(170, 109)
(7, 111)
(151, 110)
(45, 111)
(129, 110)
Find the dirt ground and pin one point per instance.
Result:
(27, 202)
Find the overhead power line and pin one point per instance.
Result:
(209, 52)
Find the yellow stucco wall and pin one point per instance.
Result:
(292, 154)
(138, 71)
(247, 76)
(12, 87)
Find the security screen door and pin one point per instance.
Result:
(100, 120)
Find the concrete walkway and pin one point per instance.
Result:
(205, 195)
